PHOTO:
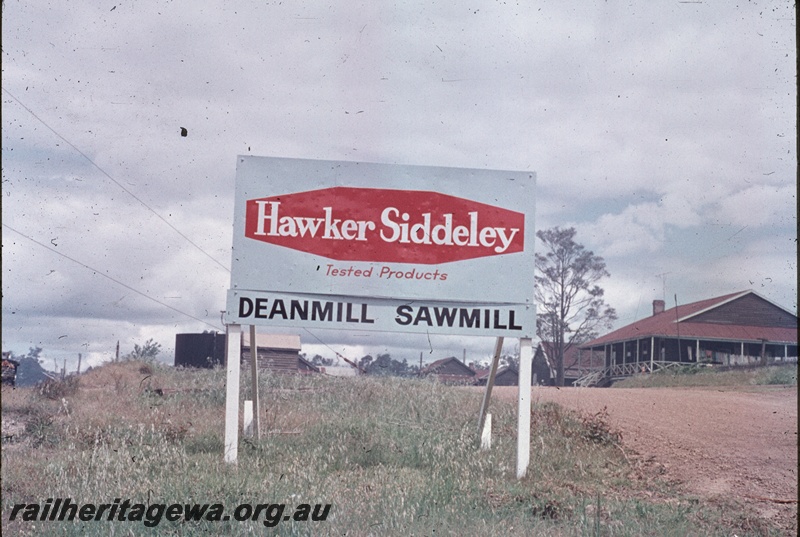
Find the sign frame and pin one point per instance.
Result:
(475, 226)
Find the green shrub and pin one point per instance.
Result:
(782, 375)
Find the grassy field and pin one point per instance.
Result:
(692, 375)
(391, 457)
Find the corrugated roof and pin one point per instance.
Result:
(434, 367)
(664, 325)
(273, 341)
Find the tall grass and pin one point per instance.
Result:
(393, 457)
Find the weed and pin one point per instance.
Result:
(40, 426)
(549, 509)
(120, 384)
(597, 429)
(56, 389)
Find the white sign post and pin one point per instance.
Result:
(376, 247)
(524, 406)
(233, 351)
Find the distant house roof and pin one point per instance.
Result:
(479, 368)
(505, 376)
(484, 374)
(742, 316)
(449, 370)
(273, 341)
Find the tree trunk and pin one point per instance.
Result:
(559, 348)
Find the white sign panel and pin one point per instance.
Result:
(397, 248)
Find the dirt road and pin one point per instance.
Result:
(735, 442)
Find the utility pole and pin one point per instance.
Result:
(79, 364)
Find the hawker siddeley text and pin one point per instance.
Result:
(394, 226)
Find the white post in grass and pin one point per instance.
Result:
(254, 376)
(233, 350)
(486, 434)
(524, 409)
(487, 395)
(247, 419)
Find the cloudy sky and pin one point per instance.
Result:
(664, 132)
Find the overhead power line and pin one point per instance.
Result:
(338, 355)
(134, 196)
(144, 204)
(126, 286)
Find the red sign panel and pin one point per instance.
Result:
(382, 225)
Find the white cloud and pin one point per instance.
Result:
(663, 132)
(759, 206)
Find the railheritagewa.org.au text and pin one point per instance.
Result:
(152, 514)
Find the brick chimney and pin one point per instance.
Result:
(658, 307)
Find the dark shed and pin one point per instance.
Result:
(200, 350)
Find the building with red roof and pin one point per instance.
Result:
(732, 329)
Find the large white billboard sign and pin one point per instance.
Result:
(397, 248)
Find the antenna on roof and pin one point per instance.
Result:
(663, 277)
(678, 327)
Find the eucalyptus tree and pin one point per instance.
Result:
(570, 304)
